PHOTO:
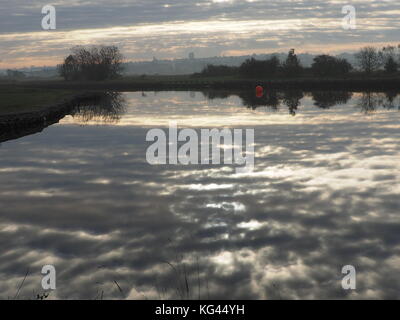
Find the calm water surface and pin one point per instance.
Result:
(324, 194)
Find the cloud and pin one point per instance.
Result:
(206, 27)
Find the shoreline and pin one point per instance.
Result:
(17, 125)
(168, 83)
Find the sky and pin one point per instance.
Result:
(173, 28)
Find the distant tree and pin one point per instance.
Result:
(259, 68)
(218, 71)
(292, 66)
(391, 52)
(94, 63)
(69, 70)
(391, 66)
(391, 56)
(369, 59)
(15, 74)
(325, 65)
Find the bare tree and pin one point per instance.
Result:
(93, 63)
(369, 59)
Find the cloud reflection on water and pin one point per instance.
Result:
(323, 194)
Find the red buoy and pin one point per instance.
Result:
(259, 91)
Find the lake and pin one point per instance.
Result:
(324, 193)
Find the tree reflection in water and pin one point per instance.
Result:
(292, 100)
(368, 102)
(328, 99)
(107, 107)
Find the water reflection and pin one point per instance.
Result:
(100, 108)
(328, 99)
(324, 194)
(106, 107)
(369, 102)
(292, 100)
(274, 100)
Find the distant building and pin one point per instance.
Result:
(191, 56)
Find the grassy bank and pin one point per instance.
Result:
(21, 99)
(25, 119)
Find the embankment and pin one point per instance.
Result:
(14, 126)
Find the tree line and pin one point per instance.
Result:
(105, 62)
(369, 60)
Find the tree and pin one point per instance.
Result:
(369, 59)
(69, 70)
(391, 65)
(217, 71)
(292, 66)
(94, 63)
(15, 74)
(325, 65)
(390, 55)
(259, 68)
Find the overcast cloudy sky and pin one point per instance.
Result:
(172, 28)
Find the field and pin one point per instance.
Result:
(19, 99)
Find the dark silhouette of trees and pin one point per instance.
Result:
(250, 68)
(292, 67)
(391, 65)
(94, 63)
(260, 68)
(70, 70)
(369, 59)
(218, 71)
(15, 74)
(325, 66)
(390, 56)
